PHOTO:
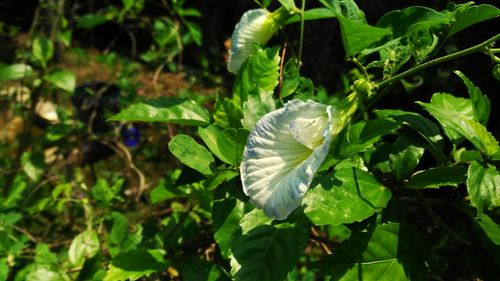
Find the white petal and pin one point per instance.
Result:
(252, 28)
(279, 162)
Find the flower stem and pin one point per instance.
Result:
(474, 49)
(301, 40)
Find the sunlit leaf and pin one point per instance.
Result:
(348, 196)
(385, 252)
(192, 154)
(468, 14)
(14, 71)
(84, 246)
(135, 264)
(231, 143)
(258, 104)
(62, 79)
(260, 70)
(483, 185)
(480, 103)
(165, 109)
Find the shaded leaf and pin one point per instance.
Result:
(437, 177)
(90, 21)
(488, 232)
(135, 264)
(405, 156)
(348, 196)
(268, 253)
(226, 215)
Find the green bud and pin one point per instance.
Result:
(496, 71)
(363, 87)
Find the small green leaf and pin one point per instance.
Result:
(43, 49)
(261, 70)
(405, 156)
(348, 196)
(457, 119)
(227, 113)
(258, 104)
(437, 177)
(425, 127)
(195, 31)
(356, 36)
(226, 215)
(468, 14)
(90, 21)
(488, 232)
(14, 71)
(385, 252)
(165, 109)
(209, 136)
(268, 253)
(483, 186)
(192, 154)
(289, 5)
(135, 264)
(84, 246)
(312, 14)
(480, 103)
(63, 79)
(231, 143)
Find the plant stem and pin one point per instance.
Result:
(301, 40)
(474, 49)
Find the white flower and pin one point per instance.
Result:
(255, 26)
(283, 152)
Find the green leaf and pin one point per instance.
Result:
(358, 36)
(231, 143)
(385, 252)
(63, 79)
(468, 14)
(15, 194)
(195, 31)
(33, 165)
(456, 117)
(227, 113)
(209, 136)
(135, 264)
(291, 78)
(348, 196)
(4, 270)
(268, 253)
(199, 270)
(84, 246)
(165, 109)
(437, 177)
(90, 21)
(289, 5)
(480, 103)
(483, 186)
(192, 154)
(103, 193)
(312, 14)
(14, 71)
(405, 156)
(43, 49)
(261, 70)
(226, 216)
(258, 104)
(425, 127)
(254, 219)
(488, 232)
